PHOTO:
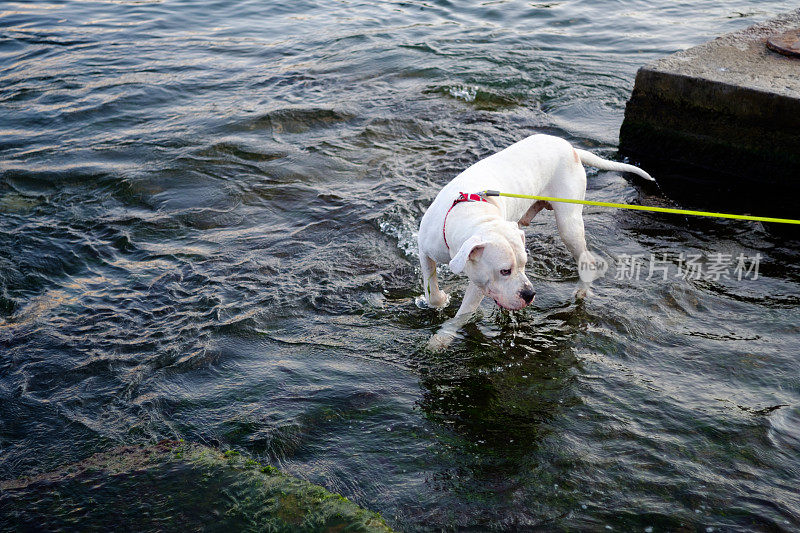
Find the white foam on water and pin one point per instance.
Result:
(405, 234)
(463, 92)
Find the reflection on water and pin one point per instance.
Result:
(207, 232)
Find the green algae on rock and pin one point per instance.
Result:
(174, 485)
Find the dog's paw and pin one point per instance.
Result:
(583, 291)
(440, 341)
(438, 301)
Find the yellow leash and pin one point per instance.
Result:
(642, 207)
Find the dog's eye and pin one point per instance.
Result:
(505, 272)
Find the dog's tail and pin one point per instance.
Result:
(588, 158)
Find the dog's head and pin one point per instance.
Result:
(495, 261)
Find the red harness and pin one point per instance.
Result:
(462, 197)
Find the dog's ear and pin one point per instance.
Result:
(522, 234)
(471, 249)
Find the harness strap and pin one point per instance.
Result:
(462, 197)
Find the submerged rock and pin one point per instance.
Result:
(173, 486)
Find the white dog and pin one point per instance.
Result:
(482, 237)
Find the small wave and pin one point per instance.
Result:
(783, 429)
(295, 120)
(482, 97)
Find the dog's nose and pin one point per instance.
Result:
(527, 295)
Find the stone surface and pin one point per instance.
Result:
(175, 487)
(729, 108)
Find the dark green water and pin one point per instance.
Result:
(208, 217)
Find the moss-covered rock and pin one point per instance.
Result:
(175, 486)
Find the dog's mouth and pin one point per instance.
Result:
(501, 306)
(523, 304)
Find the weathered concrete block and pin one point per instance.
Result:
(730, 106)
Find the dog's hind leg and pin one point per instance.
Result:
(570, 226)
(434, 296)
(533, 210)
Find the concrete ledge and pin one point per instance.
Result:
(730, 106)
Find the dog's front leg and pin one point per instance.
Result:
(473, 297)
(434, 296)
